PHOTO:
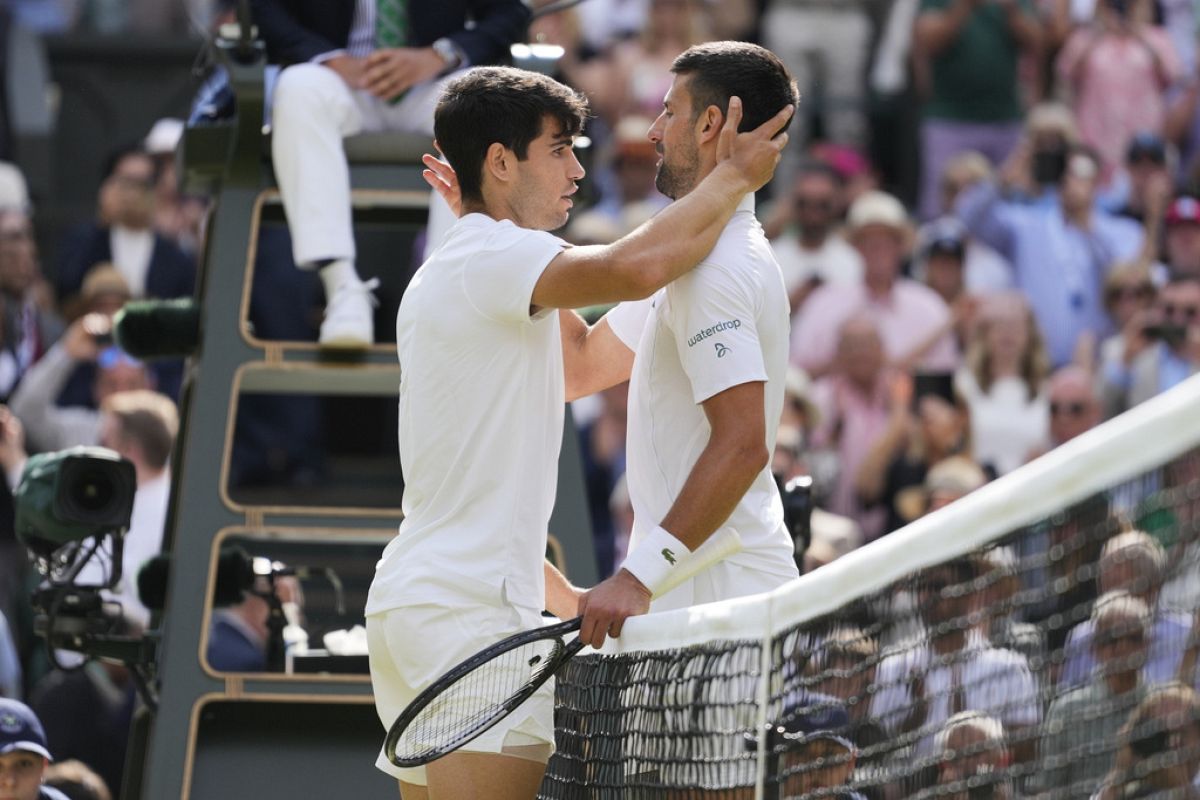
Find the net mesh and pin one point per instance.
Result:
(1035, 639)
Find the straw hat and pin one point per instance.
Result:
(877, 208)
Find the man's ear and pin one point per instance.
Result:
(498, 162)
(708, 124)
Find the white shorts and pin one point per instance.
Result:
(722, 581)
(413, 646)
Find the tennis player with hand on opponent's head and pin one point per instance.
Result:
(482, 392)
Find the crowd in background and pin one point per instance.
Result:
(989, 227)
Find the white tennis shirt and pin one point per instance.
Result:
(723, 324)
(481, 416)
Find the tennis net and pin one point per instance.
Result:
(1036, 638)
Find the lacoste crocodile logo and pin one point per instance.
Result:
(668, 555)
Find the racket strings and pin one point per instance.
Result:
(479, 698)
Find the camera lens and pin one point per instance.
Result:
(94, 491)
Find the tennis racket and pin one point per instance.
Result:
(485, 688)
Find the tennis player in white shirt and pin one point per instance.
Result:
(706, 392)
(484, 378)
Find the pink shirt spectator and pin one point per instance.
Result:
(907, 316)
(851, 422)
(1118, 90)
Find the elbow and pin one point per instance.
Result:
(747, 458)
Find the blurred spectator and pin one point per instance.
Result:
(238, 636)
(123, 235)
(844, 667)
(1159, 753)
(912, 319)
(141, 426)
(1118, 70)
(953, 668)
(50, 427)
(348, 70)
(1149, 178)
(1002, 383)
(804, 236)
(77, 781)
(958, 267)
(1034, 170)
(972, 747)
(856, 400)
(24, 754)
(858, 173)
(30, 323)
(1162, 347)
(972, 49)
(998, 600)
(1129, 292)
(1181, 239)
(1132, 562)
(923, 429)
(1082, 723)
(1059, 249)
(826, 46)
(819, 757)
(640, 71)
(178, 217)
(949, 480)
(1073, 403)
(104, 291)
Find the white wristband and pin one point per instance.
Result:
(655, 558)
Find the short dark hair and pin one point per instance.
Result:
(720, 70)
(499, 104)
(122, 152)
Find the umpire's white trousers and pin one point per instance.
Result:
(313, 110)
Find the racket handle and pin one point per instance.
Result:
(722, 544)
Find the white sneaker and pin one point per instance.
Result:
(349, 316)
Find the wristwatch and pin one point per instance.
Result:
(449, 53)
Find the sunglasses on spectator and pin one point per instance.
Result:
(1186, 313)
(1142, 291)
(814, 203)
(1075, 409)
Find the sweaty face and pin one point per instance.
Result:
(673, 134)
(21, 775)
(546, 180)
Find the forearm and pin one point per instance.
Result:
(1025, 29)
(35, 395)
(562, 599)
(714, 487)
(872, 473)
(593, 357)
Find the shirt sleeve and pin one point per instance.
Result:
(499, 281)
(713, 316)
(628, 320)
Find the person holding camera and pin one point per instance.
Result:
(1162, 347)
(1119, 70)
(87, 340)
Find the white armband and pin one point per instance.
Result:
(655, 558)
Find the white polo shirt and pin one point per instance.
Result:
(723, 324)
(481, 416)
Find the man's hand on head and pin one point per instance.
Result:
(607, 605)
(756, 153)
(442, 178)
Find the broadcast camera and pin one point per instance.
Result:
(73, 507)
